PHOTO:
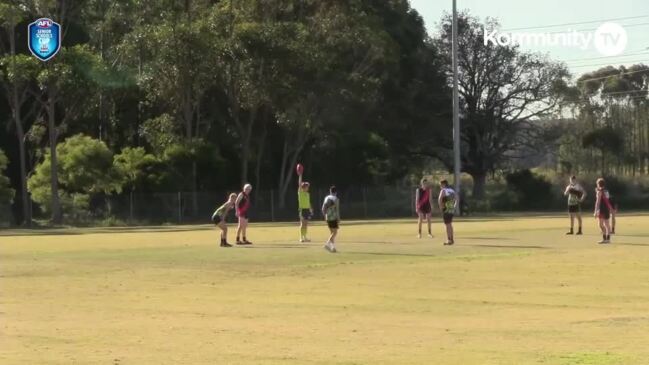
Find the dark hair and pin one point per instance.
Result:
(601, 183)
(333, 190)
(444, 182)
(573, 177)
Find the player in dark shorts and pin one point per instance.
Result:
(424, 205)
(242, 206)
(305, 210)
(447, 205)
(219, 218)
(603, 210)
(331, 212)
(576, 195)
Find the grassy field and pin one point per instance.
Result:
(511, 291)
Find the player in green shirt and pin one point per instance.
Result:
(305, 210)
(219, 218)
(576, 195)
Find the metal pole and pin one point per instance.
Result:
(272, 205)
(456, 107)
(364, 191)
(130, 216)
(180, 208)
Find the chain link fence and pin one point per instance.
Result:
(266, 206)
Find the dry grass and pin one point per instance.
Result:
(512, 291)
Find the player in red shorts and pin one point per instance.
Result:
(242, 206)
(424, 205)
(603, 209)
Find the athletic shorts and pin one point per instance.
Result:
(574, 208)
(605, 215)
(243, 215)
(448, 218)
(305, 214)
(217, 219)
(333, 224)
(425, 209)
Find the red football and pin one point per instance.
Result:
(299, 168)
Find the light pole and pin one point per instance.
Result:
(456, 109)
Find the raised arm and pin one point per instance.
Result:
(238, 201)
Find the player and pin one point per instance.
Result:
(424, 205)
(242, 205)
(219, 218)
(304, 206)
(576, 195)
(331, 212)
(603, 210)
(447, 204)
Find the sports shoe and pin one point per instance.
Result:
(246, 242)
(302, 240)
(430, 235)
(449, 243)
(570, 232)
(330, 247)
(579, 233)
(604, 242)
(225, 244)
(419, 235)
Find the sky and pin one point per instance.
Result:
(633, 15)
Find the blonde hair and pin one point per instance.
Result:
(247, 186)
(232, 196)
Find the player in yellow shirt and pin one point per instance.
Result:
(305, 209)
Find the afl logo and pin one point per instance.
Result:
(44, 23)
(44, 38)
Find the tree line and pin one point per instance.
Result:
(205, 95)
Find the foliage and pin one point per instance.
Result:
(532, 191)
(85, 171)
(6, 192)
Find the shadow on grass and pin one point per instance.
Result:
(488, 238)
(83, 231)
(509, 246)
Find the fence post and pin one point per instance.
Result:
(180, 208)
(30, 210)
(364, 192)
(130, 204)
(272, 205)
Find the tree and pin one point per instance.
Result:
(85, 170)
(67, 84)
(607, 140)
(6, 192)
(503, 91)
(17, 73)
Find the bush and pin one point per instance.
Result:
(531, 191)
